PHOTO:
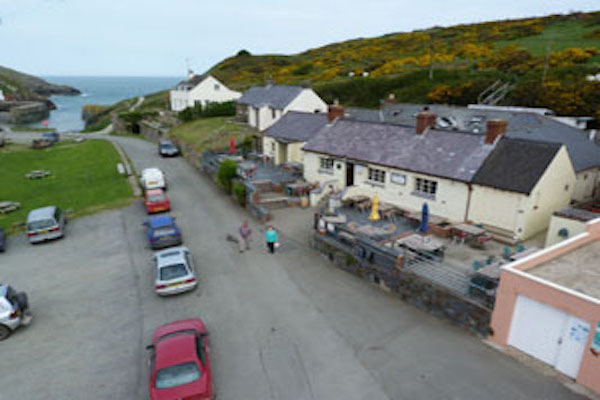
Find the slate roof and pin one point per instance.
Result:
(274, 96)
(297, 126)
(454, 155)
(193, 81)
(584, 153)
(577, 214)
(516, 164)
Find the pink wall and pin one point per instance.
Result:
(513, 284)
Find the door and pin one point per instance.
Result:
(572, 346)
(282, 156)
(349, 174)
(536, 329)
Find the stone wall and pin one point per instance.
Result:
(410, 287)
(22, 112)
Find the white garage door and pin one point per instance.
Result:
(548, 334)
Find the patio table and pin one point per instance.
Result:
(351, 201)
(420, 243)
(523, 254)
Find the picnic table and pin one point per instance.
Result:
(420, 243)
(352, 201)
(38, 173)
(475, 236)
(298, 188)
(388, 210)
(9, 206)
(491, 271)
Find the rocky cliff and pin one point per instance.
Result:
(19, 86)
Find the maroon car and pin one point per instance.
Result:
(179, 362)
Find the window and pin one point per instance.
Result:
(273, 113)
(326, 163)
(376, 175)
(425, 187)
(200, 349)
(177, 375)
(217, 86)
(272, 146)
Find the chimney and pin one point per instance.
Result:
(496, 128)
(425, 120)
(191, 74)
(335, 111)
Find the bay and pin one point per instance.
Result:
(101, 90)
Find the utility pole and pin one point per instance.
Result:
(431, 56)
(546, 59)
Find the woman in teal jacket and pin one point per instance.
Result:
(271, 238)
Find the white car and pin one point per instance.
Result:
(174, 271)
(153, 178)
(14, 310)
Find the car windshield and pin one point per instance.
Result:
(167, 146)
(156, 198)
(40, 224)
(173, 272)
(177, 375)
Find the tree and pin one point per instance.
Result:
(243, 53)
(226, 173)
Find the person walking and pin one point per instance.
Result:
(271, 238)
(245, 234)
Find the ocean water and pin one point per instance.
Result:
(102, 90)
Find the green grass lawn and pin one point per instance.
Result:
(208, 133)
(558, 36)
(84, 178)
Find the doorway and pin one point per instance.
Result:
(349, 174)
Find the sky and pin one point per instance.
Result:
(164, 38)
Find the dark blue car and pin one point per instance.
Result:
(162, 231)
(2, 240)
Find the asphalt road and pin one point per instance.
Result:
(283, 326)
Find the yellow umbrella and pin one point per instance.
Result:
(374, 209)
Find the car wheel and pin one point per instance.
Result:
(4, 332)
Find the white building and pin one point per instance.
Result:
(262, 106)
(200, 89)
(1, 95)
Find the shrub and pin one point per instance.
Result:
(243, 53)
(225, 109)
(304, 69)
(226, 173)
(240, 193)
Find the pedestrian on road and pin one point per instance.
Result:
(245, 233)
(271, 238)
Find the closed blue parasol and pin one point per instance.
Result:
(424, 227)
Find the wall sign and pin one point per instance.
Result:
(399, 179)
(596, 341)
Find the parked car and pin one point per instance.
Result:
(45, 223)
(51, 136)
(2, 241)
(166, 148)
(179, 362)
(156, 200)
(162, 231)
(153, 178)
(14, 310)
(174, 271)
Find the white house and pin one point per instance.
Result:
(262, 106)
(1, 95)
(200, 89)
(461, 176)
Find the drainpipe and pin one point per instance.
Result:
(468, 201)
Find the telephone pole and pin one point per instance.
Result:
(546, 60)
(431, 56)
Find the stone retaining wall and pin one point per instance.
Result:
(411, 288)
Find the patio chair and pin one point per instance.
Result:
(477, 265)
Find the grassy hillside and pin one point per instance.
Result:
(466, 59)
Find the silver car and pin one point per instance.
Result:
(14, 310)
(45, 223)
(174, 271)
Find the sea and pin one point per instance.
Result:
(103, 90)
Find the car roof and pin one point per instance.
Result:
(152, 171)
(176, 349)
(41, 213)
(170, 256)
(161, 220)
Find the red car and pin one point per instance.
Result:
(179, 362)
(156, 200)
